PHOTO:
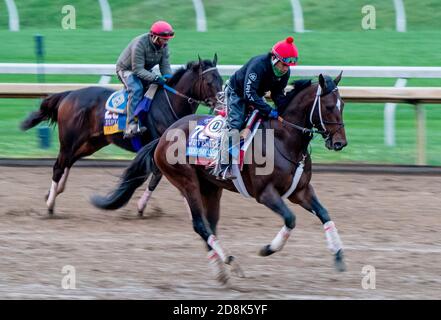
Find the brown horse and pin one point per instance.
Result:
(80, 118)
(317, 108)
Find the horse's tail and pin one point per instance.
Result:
(48, 111)
(133, 177)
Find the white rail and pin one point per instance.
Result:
(228, 70)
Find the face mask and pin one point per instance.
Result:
(277, 72)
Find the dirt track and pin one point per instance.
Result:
(391, 222)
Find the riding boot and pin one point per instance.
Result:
(133, 129)
(224, 167)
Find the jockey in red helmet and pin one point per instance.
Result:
(248, 85)
(134, 68)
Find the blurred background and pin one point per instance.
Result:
(327, 33)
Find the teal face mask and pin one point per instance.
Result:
(277, 72)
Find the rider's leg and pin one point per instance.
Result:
(134, 87)
(230, 138)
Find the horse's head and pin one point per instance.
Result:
(327, 113)
(202, 81)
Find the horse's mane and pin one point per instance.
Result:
(190, 65)
(299, 85)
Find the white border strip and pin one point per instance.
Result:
(297, 16)
(389, 117)
(228, 70)
(14, 21)
(201, 20)
(106, 13)
(400, 16)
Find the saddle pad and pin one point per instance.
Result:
(117, 102)
(114, 122)
(204, 142)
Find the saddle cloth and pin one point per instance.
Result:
(204, 141)
(115, 118)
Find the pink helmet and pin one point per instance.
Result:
(162, 29)
(286, 51)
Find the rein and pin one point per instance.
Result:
(190, 99)
(317, 102)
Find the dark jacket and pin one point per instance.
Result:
(254, 79)
(141, 55)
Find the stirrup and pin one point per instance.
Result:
(226, 174)
(132, 131)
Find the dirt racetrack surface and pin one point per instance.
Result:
(389, 222)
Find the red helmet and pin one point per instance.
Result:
(286, 51)
(162, 29)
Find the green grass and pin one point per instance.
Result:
(227, 14)
(316, 48)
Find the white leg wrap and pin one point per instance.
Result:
(334, 242)
(215, 245)
(52, 194)
(142, 202)
(217, 266)
(280, 239)
(63, 180)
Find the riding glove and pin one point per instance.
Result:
(273, 114)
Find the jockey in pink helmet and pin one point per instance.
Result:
(134, 68)
(248, 85)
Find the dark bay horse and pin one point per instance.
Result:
(317, 108)
(80, 118)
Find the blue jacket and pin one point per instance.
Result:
(257, 77)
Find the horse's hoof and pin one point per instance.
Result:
(140, 213)
(222, 278)
(266, 251)
(50, 212)
(235, 267)
(339, 261)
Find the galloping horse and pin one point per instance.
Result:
(317, 108)
(80, 118)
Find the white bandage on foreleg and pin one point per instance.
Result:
(334, 242)
(52, 195)
(280, 239)
(214, 244)
(144, 199)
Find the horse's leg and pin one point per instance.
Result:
(58, 170)
(185, 178)
(62, 183)
(211, 195)
(308, 200)
(142, 202)
(271, 199)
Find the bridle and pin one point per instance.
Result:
(191, 100)
(314, 129)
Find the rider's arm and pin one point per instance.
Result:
(138, 63)
(252, 79)
(164, 64)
